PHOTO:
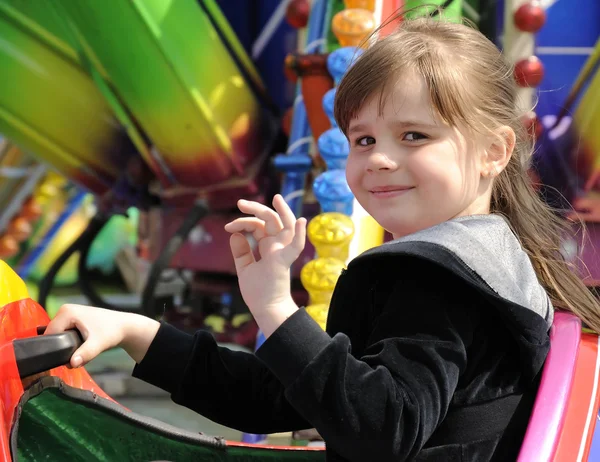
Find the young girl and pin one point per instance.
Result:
(434, 341)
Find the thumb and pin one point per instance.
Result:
(85, 353)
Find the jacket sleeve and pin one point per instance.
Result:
(386, 404)
(232, 388)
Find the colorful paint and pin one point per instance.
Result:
(178, 76)
(96, 85)
(67, 125)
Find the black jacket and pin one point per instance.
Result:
(414, 337)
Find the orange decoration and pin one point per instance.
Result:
(20, 229)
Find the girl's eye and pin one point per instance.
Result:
(414, 136)
(364, 141)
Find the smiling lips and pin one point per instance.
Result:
(389, 191)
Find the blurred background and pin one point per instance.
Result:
(128, 131)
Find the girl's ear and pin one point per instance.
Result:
(499, 151)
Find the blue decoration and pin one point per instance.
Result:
(333, 193)
(328, 100)
(339, 61)
(334, 148)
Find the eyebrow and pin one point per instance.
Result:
(404, 124)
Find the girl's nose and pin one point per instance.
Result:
(379, 161)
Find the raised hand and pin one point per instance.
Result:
(265, 283)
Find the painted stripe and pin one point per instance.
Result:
(266, 34)
(548, 3)
(27, 263)
(592, 410)
(470, 11)
(15, 172)
(294, 195)
(22, 194)
(390, 9)
(300, 142)
(378, 12)
(576, 415)
(313, 47)
(552, 400)
(518, 45)
(581, 51)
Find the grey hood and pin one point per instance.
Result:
(487, 245)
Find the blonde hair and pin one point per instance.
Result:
(470, 83)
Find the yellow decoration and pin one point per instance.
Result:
(319, 313)
(319, 277)
(12, 287)
(331, 233)
(363, 4)
(240, 319)
(216, 323)
(371, 234)
(49, 188)
(353, 26)
(587, 116)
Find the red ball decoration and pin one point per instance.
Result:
(297, 13)
(530, 17)
(529, 72)
(533, 125)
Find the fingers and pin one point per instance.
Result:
(293, 251)
(66, 319)
(272, 221)
(288, 219)
(247, 225)
(241, 251)
(300, 235)
(63, 321)
(280, 224)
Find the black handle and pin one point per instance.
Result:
(45, 352)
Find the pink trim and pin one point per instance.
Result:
(274, 448)
(549, 410)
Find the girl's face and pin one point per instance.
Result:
(408, 169)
